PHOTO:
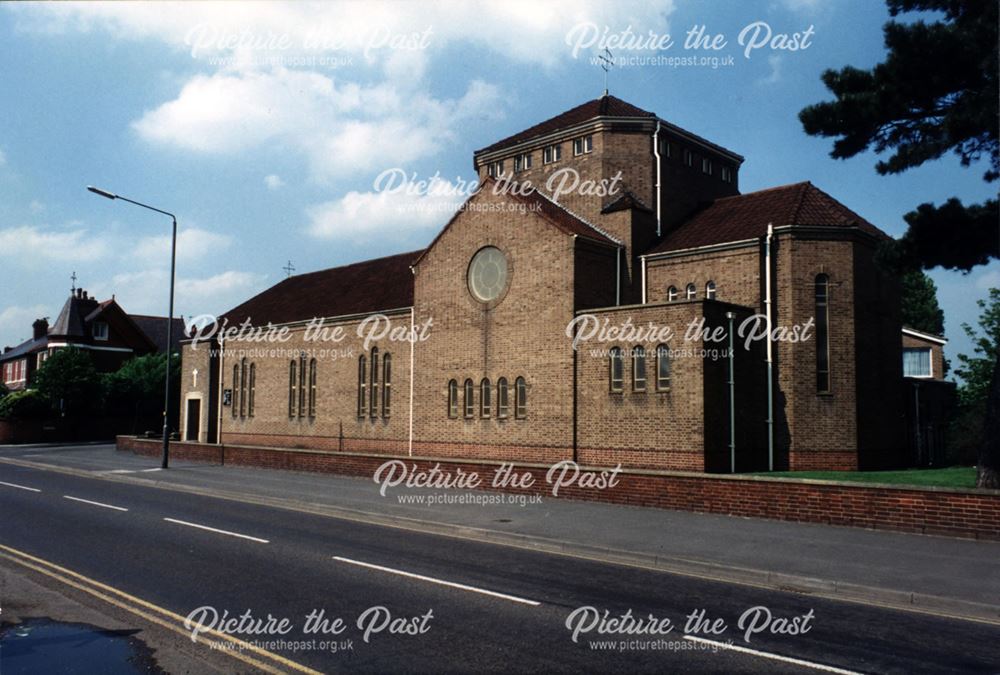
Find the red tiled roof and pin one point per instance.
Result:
(368, 286)
(609, 106)
(746, 217)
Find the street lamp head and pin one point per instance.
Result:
(730, 315)
(103, 193)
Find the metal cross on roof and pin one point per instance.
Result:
(289, 268)
(73, 278)
(607, 60)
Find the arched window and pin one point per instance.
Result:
(470, 402)
(243, 387)
(502, 400)
(373, 396)
(452, 399)
(386, 385)
(312, 387)
(672, 294)
(710, 290)
(293, 396)
(639, 368)
(520, 398)
(235, 401)
(362, 386)
(251, 389)
(302, 384)
(662, 368)
(822, 333)
(485, 398)
(615, 372)
(691, 292)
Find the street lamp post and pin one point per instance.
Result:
(170, 314)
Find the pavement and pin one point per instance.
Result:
(165, 546)
(958, 577)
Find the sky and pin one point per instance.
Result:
(265, 128)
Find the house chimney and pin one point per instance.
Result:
(40, 328)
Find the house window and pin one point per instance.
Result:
(710, 290)
(691, 292)
(386, 386)
(522, 162)
(100, 330)
(495, 169)
(243, 387)
(236, 390)
(665, 149)
(502, 400)
(706, 166)
(582, 146)
(292, 387)
(373, 395)
(672, 294)
(639, 368)
(485, 398)
(822, 333)
(917, 362)
(302, 384)
(251, 389)
(470, 403)
(727, 174)
(452, 399)
(312, 387)
(362, 386)
(520, 398)
(615, 371)
(662, 368)
(688, 158)
(552, 153)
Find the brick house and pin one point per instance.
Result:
(515, 279)
(103, 329)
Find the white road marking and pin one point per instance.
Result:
(512, 598)
(212, 529)
(775, 657)
(148, 470)
(20, 487)
(118, 471)
(87, 501)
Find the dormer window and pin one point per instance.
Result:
(100, 330)
(582, 146)
(706, 166)
(551, 153)
(727, 174)
(522, 162)
(495, 169)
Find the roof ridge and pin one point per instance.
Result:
(353, 264)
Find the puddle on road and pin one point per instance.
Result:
(44, 646)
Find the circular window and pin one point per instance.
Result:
(488, 274)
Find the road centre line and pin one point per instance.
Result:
(101, 504)
(20, 487)
(442, 582)
(218, 531)
(774, 657)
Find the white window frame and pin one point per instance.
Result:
(552, 153)
(101, 335)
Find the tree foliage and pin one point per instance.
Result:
(920, 304)
(976, 369)
(69, 381)
(24, 405)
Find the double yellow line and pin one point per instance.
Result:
(261, 659)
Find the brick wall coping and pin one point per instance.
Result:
(628, 471)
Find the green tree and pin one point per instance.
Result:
(70, 382)
(936, 92)
(976, 369)
(920, 304)
(24, 405)
(137, 389)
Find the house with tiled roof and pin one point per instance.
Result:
(578, 307)
(103, 329)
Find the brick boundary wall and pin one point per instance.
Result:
(973, 514)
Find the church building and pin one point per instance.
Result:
(587, 322)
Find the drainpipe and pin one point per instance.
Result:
(656, 153)
(732, 398)
(770, 355)
(222, 374)
(643, 259)
(413, 339)
(618, 277)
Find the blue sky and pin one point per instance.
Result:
(264, 126)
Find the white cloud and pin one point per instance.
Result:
(192, 244)
(273, 181)
(31, 242)
(774, 60)
(357, 215)
(15, 323)
(145, 291)
(36, 206)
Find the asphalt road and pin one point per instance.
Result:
(492, 608)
